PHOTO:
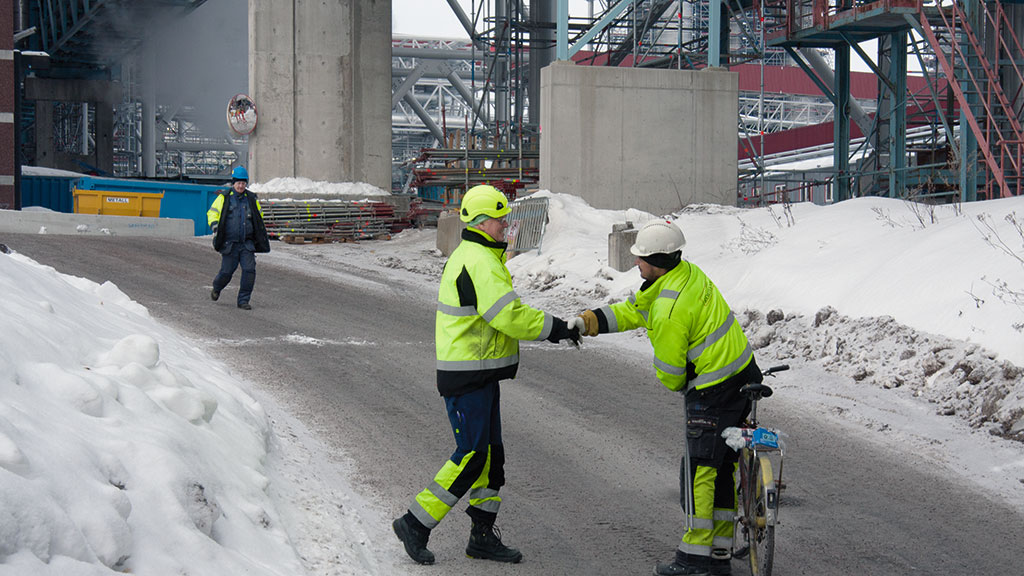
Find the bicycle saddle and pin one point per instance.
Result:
(756, 390)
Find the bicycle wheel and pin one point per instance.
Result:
(760, 505)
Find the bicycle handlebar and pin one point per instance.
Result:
(774, 369)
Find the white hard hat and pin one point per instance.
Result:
(658, 237)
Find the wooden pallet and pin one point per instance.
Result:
(328, 238)
(305, 239)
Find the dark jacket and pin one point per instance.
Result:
(222, 209)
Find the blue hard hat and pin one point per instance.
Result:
(239, 173)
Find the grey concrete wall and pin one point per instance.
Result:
(319, 73)
(656, 140)
(45, 222)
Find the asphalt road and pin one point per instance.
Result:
(592, 441)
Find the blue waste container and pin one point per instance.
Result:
(180, 199)
(53, 192)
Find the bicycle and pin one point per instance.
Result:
(759, 487)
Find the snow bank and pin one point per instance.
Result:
(120, 449)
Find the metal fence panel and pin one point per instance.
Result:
(526, 224)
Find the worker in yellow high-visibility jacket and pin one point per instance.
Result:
(478, 325)
(701, 351)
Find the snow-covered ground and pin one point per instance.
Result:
(125, 447)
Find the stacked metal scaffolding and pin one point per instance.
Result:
(328, 220)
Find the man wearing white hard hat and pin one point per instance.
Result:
(701, 351)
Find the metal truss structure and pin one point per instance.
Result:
(778, 112)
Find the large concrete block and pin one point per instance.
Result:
(449, 232)
(656, 140)
(622, 237)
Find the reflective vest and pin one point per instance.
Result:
(480, 319)
(697, 340)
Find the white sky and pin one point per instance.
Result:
(124, 441)
(434, 18)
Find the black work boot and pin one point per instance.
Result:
(414, 535)
(721, 562)
(214, 294)
(683, 565)
(485, 543)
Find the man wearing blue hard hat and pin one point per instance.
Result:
(238, 234)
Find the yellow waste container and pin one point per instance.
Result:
(117, 203)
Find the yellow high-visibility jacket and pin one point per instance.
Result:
(697, 341)
(480, 319)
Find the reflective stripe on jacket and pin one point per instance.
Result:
(697, 340)
(480, 319)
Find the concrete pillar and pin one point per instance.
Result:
(271, 56)
(315, 75)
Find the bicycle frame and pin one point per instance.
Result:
(758, 485)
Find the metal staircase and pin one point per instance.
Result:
(979, 67)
